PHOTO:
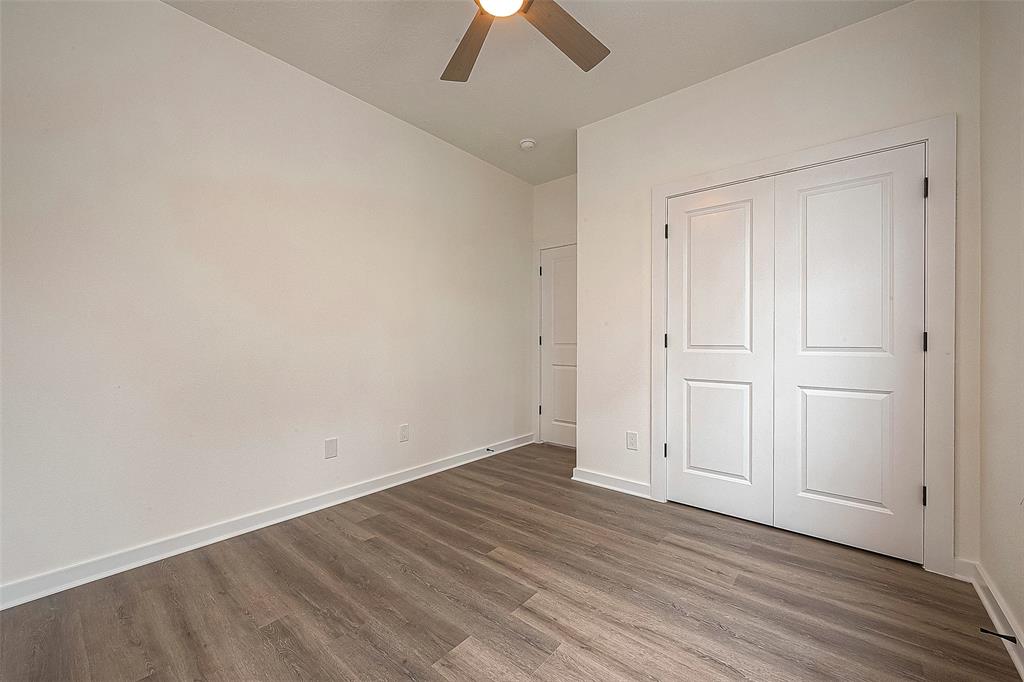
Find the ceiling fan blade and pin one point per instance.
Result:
(567, 34)
(461, 63)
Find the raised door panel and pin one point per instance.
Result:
(563, 403)
(846, 275)
(846, 453)
(718, 424)
(719, 282)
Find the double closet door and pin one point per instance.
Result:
(795, 357)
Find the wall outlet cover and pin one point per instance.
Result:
(330, 448)
(631, 440)
(403, 433)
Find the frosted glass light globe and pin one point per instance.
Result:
(501, 8)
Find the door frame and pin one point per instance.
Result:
(939, 138)
(538, 323)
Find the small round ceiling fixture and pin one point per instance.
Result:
(527, 144)
(501, 8)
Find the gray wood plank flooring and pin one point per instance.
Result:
(505, 569)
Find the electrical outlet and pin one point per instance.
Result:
(330, 448)
(403, 433)
(631, 440)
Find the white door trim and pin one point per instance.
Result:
(939, 136)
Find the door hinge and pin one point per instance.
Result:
(666, 450)
(926, 188)
(666, 340)
(666, 230)
(924, 341)
(540, 409)
(540, 271)
(924, 495)
(540, 340)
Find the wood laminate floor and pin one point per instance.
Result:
(505, 569)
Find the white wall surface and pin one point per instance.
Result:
(909, 64)
(554, 213)
(1002, 303)
(211, 263)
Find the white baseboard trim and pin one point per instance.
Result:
(44, 584)
(998, 609)
(620, 485)
(966, 570)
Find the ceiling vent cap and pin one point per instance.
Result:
(527, 144)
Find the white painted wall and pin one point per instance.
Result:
(913, 63)
(1002, 303)
(554, 213)
(211, 263)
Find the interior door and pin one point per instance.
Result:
(558, 345)
(720, 350)
(849, 361)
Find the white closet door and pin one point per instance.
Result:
(720, 350)
(558, 346)
(849, 362)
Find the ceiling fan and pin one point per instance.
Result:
(547, 16)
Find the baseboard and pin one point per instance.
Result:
(998, 609)
(620, 485)
(44, 584)
(555, 445)
(966, 570)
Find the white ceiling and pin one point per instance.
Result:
(390, 53)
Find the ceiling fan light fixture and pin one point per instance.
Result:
(547, 16)
(501, 8)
